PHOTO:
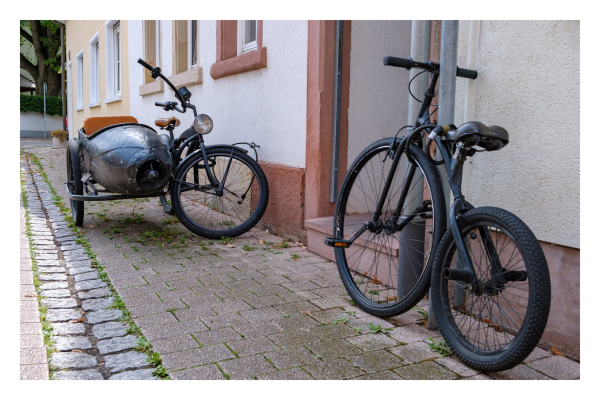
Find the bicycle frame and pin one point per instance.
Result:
(454, 168)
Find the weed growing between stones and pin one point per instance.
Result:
(118, 303)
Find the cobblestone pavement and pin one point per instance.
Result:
(90, 343)
(253, 310)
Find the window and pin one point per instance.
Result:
(95, 71)
(151, 47)
(193, 47)
(80, 80)
(247, 36)
(185, 43)
(117, 56)
(113, 61)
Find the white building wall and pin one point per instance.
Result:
(266, 106)
(32, 124)
(378, 94)
(528, 83)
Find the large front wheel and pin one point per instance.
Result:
(213, 213)
(387, 269)
(495, 323)
(74, 181)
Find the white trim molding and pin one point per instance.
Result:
(95, 70)
(113, 65)
(79, 72)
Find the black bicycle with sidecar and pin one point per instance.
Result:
(214, 191)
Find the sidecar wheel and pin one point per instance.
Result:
(165, 202)
(74, 181)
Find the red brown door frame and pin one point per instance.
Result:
(319, 118)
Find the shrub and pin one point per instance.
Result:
(36, 104)
(60, 134)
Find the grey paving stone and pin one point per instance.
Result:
(68, 238)
(65, 328)
(46, 257)
(54, 285)
(173, 344)
(72, 360)
(139, 375)
(537, 354)
(37, 372)
(94, 293)
(252, 346)
(78, 264)
(109, 330)
(372, 342)
(62, 315)
(86, 276)
(88, 285)
(289, 358)
(415, 352)
(454, 365)
(246, 367)
(84, 375)
(337, 369)
(208, 372)
(67, 247)
(116, 344)
(67, 343)
(60, 303)
(53, 277)
(130, 360)
(379, 376)
(56, 293)
(413, 333)
(333, 349)
(97, 304)
(73, 252)
(48, 263)
(557, 367)
(51, 270)
(80, 270)
(427, 370)
(287, 375)
(195, 357)
(376, 361)
(217, 336)
(95, 317)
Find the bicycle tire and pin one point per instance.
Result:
(472, 310)
(209, 204)
(74, 181)
(164, 200)
(384, 299)
(167, 208)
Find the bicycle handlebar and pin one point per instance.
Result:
(144, 64)
(408, 63)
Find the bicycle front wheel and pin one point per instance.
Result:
(495, 324)
(212, 214)
(387, 271)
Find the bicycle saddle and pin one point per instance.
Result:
(475, 133)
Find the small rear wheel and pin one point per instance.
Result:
(494, 324)
(165, 201)
(74, 181)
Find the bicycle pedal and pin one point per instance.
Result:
(335, 242)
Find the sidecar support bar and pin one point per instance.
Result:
(108, 196)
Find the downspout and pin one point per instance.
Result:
(470, 98)
(446, 101)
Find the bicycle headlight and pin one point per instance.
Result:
(203, 124)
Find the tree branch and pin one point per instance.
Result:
(28, 66)
(26, 35)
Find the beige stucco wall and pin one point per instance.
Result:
(79, 34)
(528, 83)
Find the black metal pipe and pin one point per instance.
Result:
(458, 275)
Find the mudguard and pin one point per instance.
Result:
(129, 159)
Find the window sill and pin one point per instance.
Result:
(113, 99)
(245, 62)
(157, 86)
(79, 108)
(187, 78)
(97, 104)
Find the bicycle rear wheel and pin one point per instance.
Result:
(213, 215)
(495, 325)
(385, 272)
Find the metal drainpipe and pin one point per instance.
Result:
(414, 232)
(470, 98)
(446, 100)
(337, 104)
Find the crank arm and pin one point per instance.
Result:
(337, 242)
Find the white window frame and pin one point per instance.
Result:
(241, 31)
(79, 81)
(112, 66)
(190, 65)
(158, 58)
(95, 71)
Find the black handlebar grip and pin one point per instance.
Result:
(144, 64)
(398, 62)
(158, 104)
(466, 73)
